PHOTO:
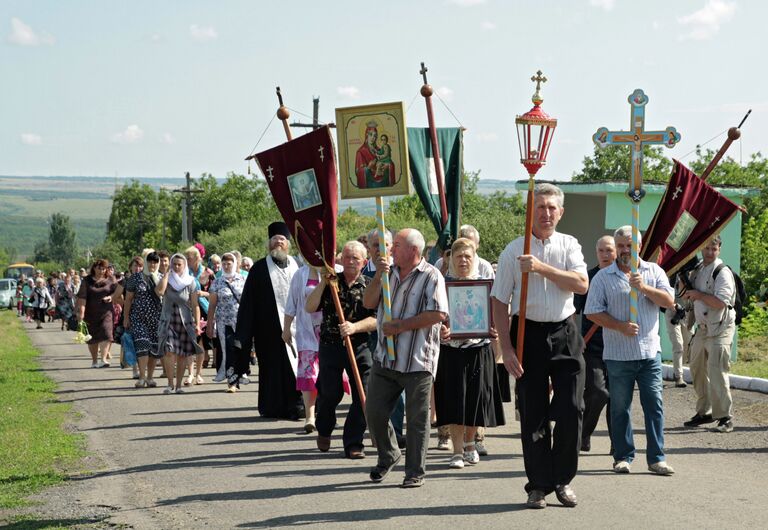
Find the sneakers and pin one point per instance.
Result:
(680, 383)
(480, 447)
(622, 467)
(168, 390)
(471, 457)
(456, 462)
(94, 365)
(105, 364)
(661, 468)
(443, 443)
(724, 425)
(537, 500)
(699, 419)
(179, 391)
(189, 380)
(244, 380)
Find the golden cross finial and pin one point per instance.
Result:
(538, 79)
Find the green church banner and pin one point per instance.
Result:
(422, 164)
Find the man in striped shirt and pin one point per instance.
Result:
(632, 351)
(552, 350)
(419, 305)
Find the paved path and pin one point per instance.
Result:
(205, 459)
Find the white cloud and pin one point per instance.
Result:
(467, 3)
(445, 93)
(167, 138)
(203, 33)
(603, 4)
(705, 23)
(31, 139)
(486, 137)
(24, 35)
(131, 135)
(351, 92)
(488, 25)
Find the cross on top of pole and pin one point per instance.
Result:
(538, 79)
(636, 137)
(423, 73)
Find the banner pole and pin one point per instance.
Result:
(283, 114)
(426, 91)
(385, 277)
(524, 276)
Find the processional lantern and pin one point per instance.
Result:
(535, 129)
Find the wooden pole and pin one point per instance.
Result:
(524, 276)
(426, 91)
(283, 114)
(734, 133)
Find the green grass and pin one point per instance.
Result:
(753, 358)
(36, 449)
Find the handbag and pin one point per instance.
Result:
(129, 350)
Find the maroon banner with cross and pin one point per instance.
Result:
(690, 213)
(301, 174)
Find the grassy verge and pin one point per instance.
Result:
(35, 448)
(753, 358)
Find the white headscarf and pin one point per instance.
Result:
(230, 275)
(180, 281)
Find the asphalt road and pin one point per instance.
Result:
(205, 459)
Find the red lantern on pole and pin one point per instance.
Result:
(535, 129)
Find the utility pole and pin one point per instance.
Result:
(186, 208)
(315, 117)
(141, 222)
(162, 238)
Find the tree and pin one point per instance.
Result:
(61, 239)
(613, 163)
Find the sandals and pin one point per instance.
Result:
(378, 472)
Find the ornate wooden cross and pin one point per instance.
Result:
(636, 138)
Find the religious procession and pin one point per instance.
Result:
(429, 337)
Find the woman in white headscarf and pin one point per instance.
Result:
(179, 321)
(224, 303)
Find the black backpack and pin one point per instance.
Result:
(741, 293)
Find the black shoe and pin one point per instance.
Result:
(566, 496)
(379, 472)
(401, 442)
(698, 419)
(586, 445)
(724, 425)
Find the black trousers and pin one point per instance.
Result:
(333, 360)
(595, 396)
(552, 352)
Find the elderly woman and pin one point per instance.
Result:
(179, 321)
(141, 315)
(94, 306)
(204, 277)
(41, 301)
(65, 299)
(223, 304)
(465, 374)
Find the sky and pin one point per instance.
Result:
(155, 89)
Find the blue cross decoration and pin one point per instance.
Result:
(636, 137)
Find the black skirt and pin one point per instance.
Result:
(464, 388)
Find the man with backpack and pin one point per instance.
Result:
(716, 303)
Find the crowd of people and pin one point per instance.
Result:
(317, 334)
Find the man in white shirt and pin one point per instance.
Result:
(553, 347)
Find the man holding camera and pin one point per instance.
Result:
(713, 297)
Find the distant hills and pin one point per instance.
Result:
(27, 202)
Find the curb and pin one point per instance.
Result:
(753, 384)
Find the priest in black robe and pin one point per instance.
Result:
(259, 325)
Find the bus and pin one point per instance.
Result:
(15, 270)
